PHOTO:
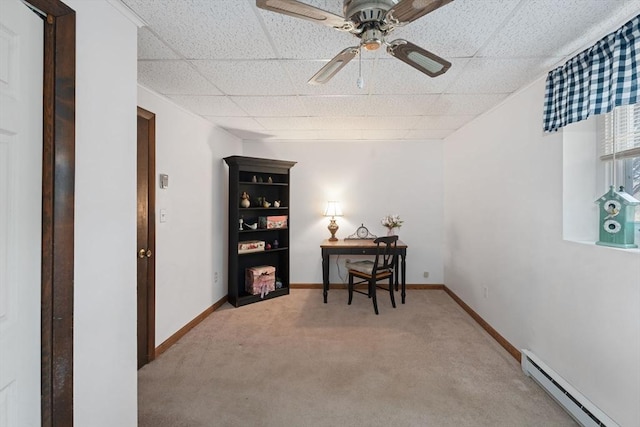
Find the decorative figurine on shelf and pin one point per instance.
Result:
(275, 244)
(241, 221)
(278, 283)
(616, 224)
(265, 204)
(267, 246)
(276, 203)
(270, 181)
(254, 179)
(251, 226)
(244, 200)
(260, 179)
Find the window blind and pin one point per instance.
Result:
(621, 131)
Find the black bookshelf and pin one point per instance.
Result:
(267, 179)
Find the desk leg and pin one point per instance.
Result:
(403, 268)
(325, 275)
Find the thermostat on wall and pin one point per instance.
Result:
(164, 180)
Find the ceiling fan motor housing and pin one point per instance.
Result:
(363, 11)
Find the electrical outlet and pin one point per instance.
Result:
(215, 277)
(425, 274)
(485, 291)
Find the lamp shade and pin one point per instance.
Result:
(333, 209)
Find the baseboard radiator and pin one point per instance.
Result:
(578, 406)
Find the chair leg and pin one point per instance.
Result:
(350, 288)
(393, 300)
(395, 278)
(372, 292)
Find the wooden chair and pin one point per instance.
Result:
(371, 272)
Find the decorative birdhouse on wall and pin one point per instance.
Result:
(617, 213)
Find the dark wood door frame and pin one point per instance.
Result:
(150, 118)
(58, 183)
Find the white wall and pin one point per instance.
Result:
(192, 245)
(370, 179)
(105, 379)
(576, 306)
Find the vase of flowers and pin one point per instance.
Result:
(391, 222)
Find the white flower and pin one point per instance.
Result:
(391, 221)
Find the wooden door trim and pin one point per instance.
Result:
(58, 183)
(151, 235)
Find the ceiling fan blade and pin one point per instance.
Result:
(304, 11)
(332, 67)
(410, 10)
(419, 58)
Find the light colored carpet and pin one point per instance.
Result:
(294, 361)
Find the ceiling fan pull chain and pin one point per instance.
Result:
(360, 79)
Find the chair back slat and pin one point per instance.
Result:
(385, 253)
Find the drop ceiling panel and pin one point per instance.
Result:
(392, 76)
(387, 122)
(441, 122)
(285, 123)
(205, 29)
(256, 77)
(401, 105)
(151, 47)
(383, 134)
(209, 105)
(458, 29)
(336, 106)
(454, 104)
(496, 75)
(620, 13)
(174, 78)
(541, 28)
(343, 83)
(340, 123)
(282, 106)
(296, 38)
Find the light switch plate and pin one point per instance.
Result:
(163, 215)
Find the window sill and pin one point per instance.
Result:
(589, 243)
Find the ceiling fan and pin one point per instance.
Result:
(370, 21)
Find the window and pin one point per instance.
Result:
(588, 168)
(619, 153)
(620, 150)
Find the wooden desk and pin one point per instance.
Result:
(358, 247)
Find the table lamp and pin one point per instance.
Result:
(333, 210)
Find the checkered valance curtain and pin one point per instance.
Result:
(596, 80)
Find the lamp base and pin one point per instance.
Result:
(333, 228)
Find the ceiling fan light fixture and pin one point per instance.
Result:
(372, 44)
(372, 39)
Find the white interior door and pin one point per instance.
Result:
(21, 64)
